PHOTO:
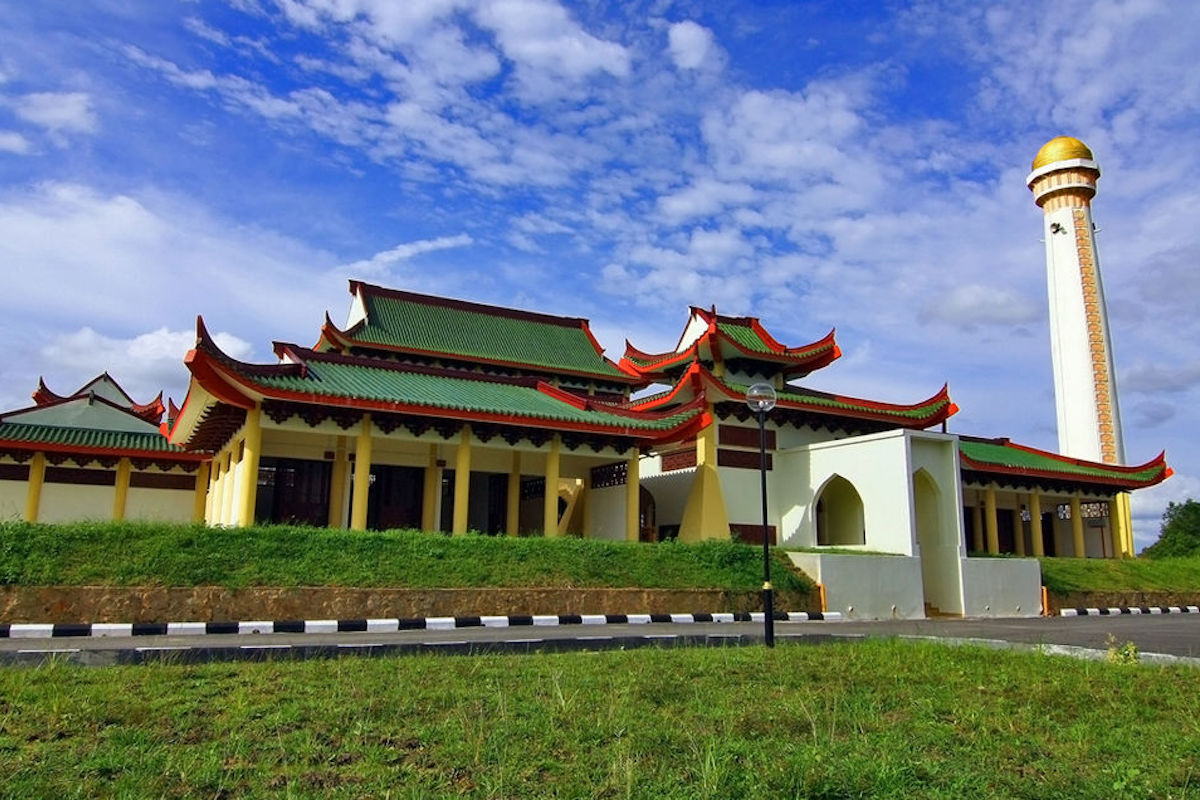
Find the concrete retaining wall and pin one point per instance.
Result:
(59, 604)
(867, 587)
(1002, 587)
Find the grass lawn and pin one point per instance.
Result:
(889, 719)
(1112, 575)
(127, 554)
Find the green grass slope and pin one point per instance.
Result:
(1061, 575)
(123, 554)
(878, 719)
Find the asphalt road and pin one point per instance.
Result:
(1174, 636)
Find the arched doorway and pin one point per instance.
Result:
(938, 547)
(840, 518)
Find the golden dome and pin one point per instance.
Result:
(1061, 148)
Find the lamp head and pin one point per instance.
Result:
(761, 397)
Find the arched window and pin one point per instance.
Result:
(840, 514)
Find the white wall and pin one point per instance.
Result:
(878, 467)
(1002, 587)
(66, 502)
(606, 513)
(865, 586)
(12, 499)
(163, 505)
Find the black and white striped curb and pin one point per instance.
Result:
(97, 629)
(1086, 612)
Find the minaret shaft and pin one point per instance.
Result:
(1089, 420)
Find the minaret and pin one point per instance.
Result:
(1063, 182)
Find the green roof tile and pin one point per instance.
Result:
(365, 382)
(1000, 455)
(796, 395)
(478, 332)
(152, 442)
(745, 336)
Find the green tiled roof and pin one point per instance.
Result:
(478, 332)
(795, 395)
(745, 336)
(151, 442)
(999, 455)
(366, 382)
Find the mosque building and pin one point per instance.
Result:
(446, 415)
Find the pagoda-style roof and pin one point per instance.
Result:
(740, 342)
(1006, 461)
(799, 404)
(99, 421)
(460, 332)
(387, 387)
(103, 385)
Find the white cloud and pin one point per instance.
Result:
(972, 305)
(540, 35)
(58, 112)
(689, 44)
(143, 364)
(378, 264)
(13, 142)
(1156, 378)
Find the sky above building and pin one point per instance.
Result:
(820, 164)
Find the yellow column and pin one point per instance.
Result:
(1077, 527)
(337, 485)
(429, 494)
(251, 450)
(33, 494)
(1127, 516)
(1018, 530)
(200, 497)
(214, 488)
(633, 496)
(462, 482)
(512, 512)
(121, 493)
(362, 476)
(550, 508)
(227, 483)
(1035, 523)
(977, 527)
(1116, 524)
(991, 525)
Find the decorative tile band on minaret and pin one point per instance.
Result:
(1063, 182)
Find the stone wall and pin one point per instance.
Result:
(1130, 599)
(58, 604)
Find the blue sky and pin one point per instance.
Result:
(819, 165)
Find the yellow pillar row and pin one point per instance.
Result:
(977, 527)
(362, 476)
(1127, 515)
(429, 493)
(33, 493)
(632, 496)
(1018, 529)
(512, 511)
(121, 493)
(1035, 523)
(462, 482)
(229, 477)
(200, 498)
(1077, 527)
(550, 507)
(991, 525)
(337, 484)
(251, 450)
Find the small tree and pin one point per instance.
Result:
(1180, 534)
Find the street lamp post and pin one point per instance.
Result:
(760, 398)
